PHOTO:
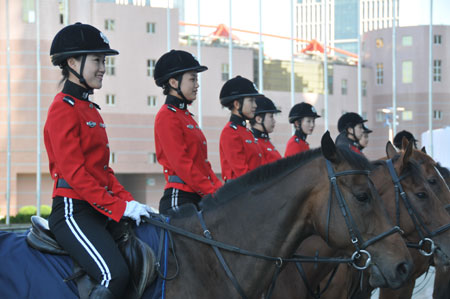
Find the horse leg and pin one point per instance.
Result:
(441, 283)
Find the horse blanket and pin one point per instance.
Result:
(28, 273)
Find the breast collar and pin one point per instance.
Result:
(176, 102)
(76, 91)
(300, 135)
(238, 121)
(260, 135)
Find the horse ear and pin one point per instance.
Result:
(405, 142)
(329, 150)
(390, 150)
(423, 150)
(408, 152)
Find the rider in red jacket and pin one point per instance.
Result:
(303, 117)
(239, 152)
(86, 194)
(351, 129)
(262, 125)
(180, 144)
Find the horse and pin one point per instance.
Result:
(271, 210)
(345, 280)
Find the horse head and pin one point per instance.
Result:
(429, 195)
(365, 224)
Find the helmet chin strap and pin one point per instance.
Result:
(263, 117)
(80, 75)
(179, 92)
(241, 105)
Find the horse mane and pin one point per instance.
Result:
(269, 174)
(412, 166)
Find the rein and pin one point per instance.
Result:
(425, 234)
(356, 238)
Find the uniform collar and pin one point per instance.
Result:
(237, 120)
(176, 102)
(76, 91)
(258, 134)
(300, 134)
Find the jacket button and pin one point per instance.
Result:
(105, 167)
(106, 187)
(107, 145)
(91, 105)
(109, 212)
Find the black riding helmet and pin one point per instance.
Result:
(298, 111)
(399, 138)
(366, 129)
(78, 40)
(237, 88)
(175, 63)
(349, 120)
(264, 105)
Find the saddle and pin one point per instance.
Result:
(138, 256)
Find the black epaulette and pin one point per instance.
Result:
(233, 126)
(96, 105)
(171, 108)
(69, 101)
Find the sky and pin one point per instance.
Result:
(276, 18)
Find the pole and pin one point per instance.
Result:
(430, 78)
(325, 65)
(8, 143)
(394, 69)
(230, 44)
(168, 26)
(292, 59)
(199, 56)
(38, 112)
(260, 53)
(359, 61)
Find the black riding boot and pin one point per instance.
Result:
(101, 292)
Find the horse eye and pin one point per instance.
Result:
(432, 181)
(362, 197)
(421, 195)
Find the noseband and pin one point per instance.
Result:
(425, 234)
(355, 235)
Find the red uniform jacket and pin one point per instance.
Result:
(239, 153)
(296, 144)
(182, 151)
(78, 152)
(269, 151)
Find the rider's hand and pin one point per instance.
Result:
(135, 210)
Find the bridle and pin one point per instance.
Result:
(356, 238)
(424, 233)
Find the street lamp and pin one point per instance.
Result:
(388, 114)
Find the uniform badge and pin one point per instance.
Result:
(91, 124)
(102, 125)
(190, 126)
(248, 141)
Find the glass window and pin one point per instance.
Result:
(437, 70)
(407, 115)
(437, 39)
(110, 100)
(407, 71)
(151, 101)
(379, 43)
(150, 67)
(364, 88)
(151, 28)
(109, 24)
(380, 74)
(437, 114)
(225, 71)
(110, 65)
(344, 86)
(407, 40)
(380, 117)
(63, 11)
(28, 11)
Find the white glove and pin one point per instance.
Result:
(135, 210)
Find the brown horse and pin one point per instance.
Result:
(271, 210)
(415, 186)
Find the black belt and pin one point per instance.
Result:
(175, 179)
(61, 183)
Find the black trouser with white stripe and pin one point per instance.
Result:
(173, 198)
(81, 231)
